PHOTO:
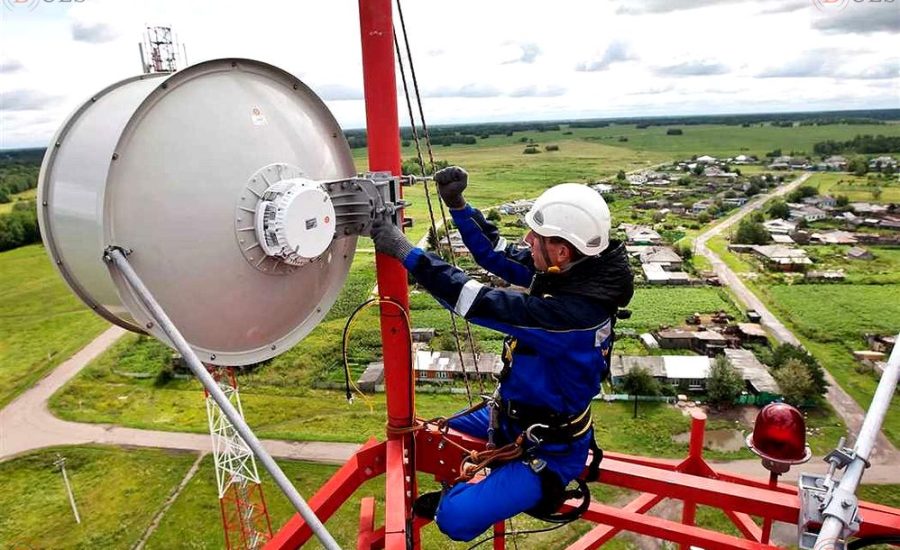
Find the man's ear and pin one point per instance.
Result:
(563, 254)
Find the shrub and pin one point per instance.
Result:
(751, 232)
(674, 132)
(724, 384)
(531, 150)
(795, 382)
(551, 147)
(639, 381)
(19, 227)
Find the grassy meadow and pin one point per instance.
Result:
(117, 491)
(857, 188)
(41, 322)
(831, 319)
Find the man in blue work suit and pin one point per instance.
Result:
(560, 333)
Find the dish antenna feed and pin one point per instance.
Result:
(230, 186)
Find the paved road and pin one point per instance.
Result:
(845, 406)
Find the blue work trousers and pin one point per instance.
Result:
(468, 509)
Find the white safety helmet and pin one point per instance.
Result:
(573, 212)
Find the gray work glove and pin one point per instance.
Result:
(389, 239)
(451, 182)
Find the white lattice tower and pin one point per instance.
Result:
(245, 517)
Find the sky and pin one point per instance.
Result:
(477, 60)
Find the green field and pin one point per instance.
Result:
(831, 319)
(700, 139)
(856, 188)
(117, 491)
(41, 321)
(884, 268)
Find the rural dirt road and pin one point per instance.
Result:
(844, 405)
(27, 424)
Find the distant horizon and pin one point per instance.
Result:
(895, 110)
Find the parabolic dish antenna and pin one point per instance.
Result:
(215, 179)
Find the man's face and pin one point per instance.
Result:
(545, 253)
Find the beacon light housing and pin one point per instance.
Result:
(218, 180)
(779, 437)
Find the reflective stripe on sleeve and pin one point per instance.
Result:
(467, 297)
(501, 245)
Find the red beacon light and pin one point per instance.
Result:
(779, 437)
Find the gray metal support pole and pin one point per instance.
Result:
(117, 257)
(61, 462)
(844, 498)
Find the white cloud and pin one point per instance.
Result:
(10, 66)
(95, 33)
(478, 60)
(618, 51)
(692, 68)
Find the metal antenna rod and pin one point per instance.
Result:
(61, 462)
(844, 495)
(116, 257)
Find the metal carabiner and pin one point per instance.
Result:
(533, 438)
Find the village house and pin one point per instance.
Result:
(515, 207)
(890, 222)
(833, 237)
(706, 159)
(692, 372)
(457, 244)
(702, 206)
(709, 342)
(880, 342)
(824, 202)
(798, 163)
(716, 172)
(656, 274)
(664, 256)
(781, 239)
(878, 164)
(868, 210)
(744, 159)
(641, 234)
(835, 163)
(780, 163)
(674, 338)
(636, 179)
(806, 212)
(752, 333)
(779, 226)
(706, 342)
(443, 366)
(859, 253)
(372, 378)
(782, 258)
(759, 381)
(603, 188)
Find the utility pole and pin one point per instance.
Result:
(61, 464)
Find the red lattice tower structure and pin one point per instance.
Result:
(245, 517)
